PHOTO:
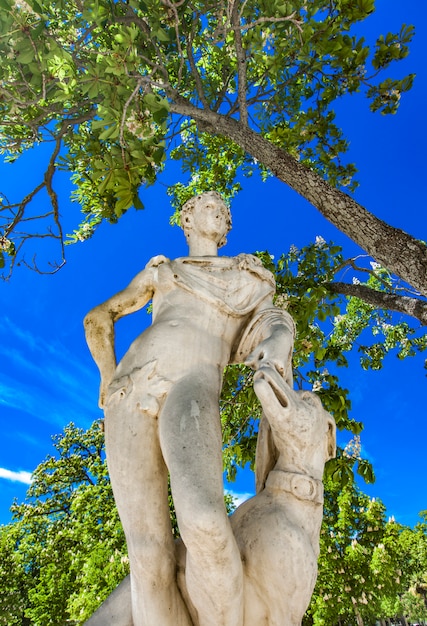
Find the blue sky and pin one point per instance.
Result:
(47, 377)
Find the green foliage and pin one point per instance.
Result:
(67, 533)
(329, 327)
(240, 412)
(414, 547)
(361, 561)
(362, 321)
(15, 578)
(104, 81)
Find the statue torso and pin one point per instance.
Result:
(200, 308)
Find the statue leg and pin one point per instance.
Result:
(139, 479)
(191, 441)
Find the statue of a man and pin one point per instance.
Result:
(161, 406)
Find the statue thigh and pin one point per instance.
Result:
(191, 442)
(139, 479)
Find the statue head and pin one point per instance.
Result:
(198, 207)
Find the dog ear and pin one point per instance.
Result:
(331, 438)
(266, 454)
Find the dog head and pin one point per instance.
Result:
(303, 432)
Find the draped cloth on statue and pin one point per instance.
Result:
(236, 285)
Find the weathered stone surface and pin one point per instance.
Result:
(161, 407)
(116, 610)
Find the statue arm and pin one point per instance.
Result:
(99, 324)
(268, 343)
(269, 340)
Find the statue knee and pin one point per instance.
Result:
(151, 562)
(206, 530)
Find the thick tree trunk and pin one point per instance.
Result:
(394, 249)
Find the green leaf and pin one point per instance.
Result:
(365, 470)
(161, 34)
(26, 56)
(110, 132)
(136, 201)
(123, 204)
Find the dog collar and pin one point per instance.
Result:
(301, 486)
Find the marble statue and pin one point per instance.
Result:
(161, 405)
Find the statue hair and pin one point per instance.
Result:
(187, 209)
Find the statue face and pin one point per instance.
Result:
(210, 218)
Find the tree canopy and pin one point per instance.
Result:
(121, 89)
(65, 551)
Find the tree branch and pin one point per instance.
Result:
(195, 72)
(18, 217)
(394, 249)
(381, 300)
(241, 63)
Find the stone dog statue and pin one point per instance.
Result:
(277, 531)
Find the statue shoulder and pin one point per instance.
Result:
(157, 260)
(250, 259)
(254, 264)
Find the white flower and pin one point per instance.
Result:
(319, 241)
(317, 386)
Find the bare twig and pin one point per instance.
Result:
(351, 263)
(195, 71)
(21, 208)
(17, 211)
(173, 6)
(273, 20)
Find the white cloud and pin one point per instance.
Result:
(239, 498)
(17, 477)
